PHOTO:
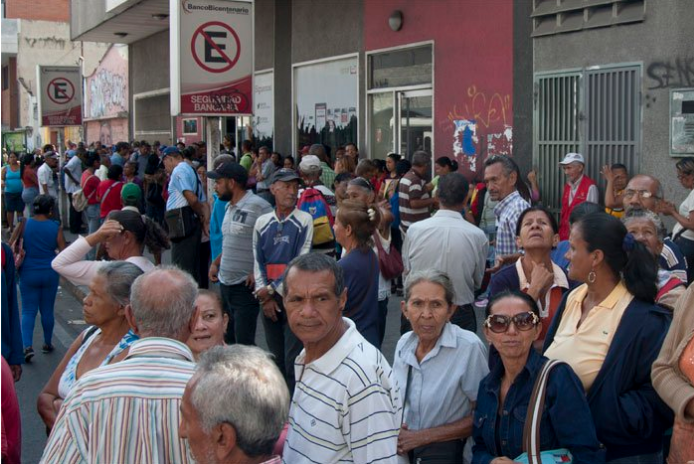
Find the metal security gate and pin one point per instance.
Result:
(556, 127)
(595, 112)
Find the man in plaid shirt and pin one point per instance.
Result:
(502, 176)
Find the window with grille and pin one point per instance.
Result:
(595, 112)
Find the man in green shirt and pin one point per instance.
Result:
(247, 158)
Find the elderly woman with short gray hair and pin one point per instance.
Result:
(439, 367)
(105, 342)
(648, 228)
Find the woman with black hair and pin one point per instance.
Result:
(442, 166)
(38, 283)
(610, 332)
(125, 234)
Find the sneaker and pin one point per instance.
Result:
(482, 303)
(28, 354)
(47, 349)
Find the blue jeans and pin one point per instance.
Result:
(93, 223)
(39, 289)
(28, 196)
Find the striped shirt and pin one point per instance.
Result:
(507, 212)
(128, 411)
(671, 259)
(346, 406)
(237, 238)
(412, 188)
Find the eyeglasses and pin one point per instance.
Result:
(499, 323)
(644, 194)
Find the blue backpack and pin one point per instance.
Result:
(395, 207)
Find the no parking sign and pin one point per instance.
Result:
(211, 57)
(60, 95)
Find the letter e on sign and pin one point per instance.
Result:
(216, 47)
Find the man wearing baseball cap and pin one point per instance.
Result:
(234, 267)
(279, 237)
(578, 189)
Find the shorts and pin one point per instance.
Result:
(13, 202)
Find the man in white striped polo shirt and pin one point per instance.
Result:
(129, 411)
(346, 405)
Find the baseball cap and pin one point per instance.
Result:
(71, 153)
(309, 163)
(573, 158)
(50, 154)
(284, 175)
(229, 170)
(170, 151)
(131, 193)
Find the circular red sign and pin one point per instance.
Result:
(67, 97)
(230, 62)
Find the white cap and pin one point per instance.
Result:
(309, 163)
(573, 158)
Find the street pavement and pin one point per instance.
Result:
(69, 324)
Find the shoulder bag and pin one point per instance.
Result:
(445, 452)
(531, 430)
(79, 200)
(389, 262)
(182, 222)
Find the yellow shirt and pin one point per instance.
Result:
(584, 348)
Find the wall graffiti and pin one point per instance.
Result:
(678, 72)
(483, 108)
(108, 92)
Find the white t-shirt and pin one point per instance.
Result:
(45, 175)
(75, 168)
(686, 207)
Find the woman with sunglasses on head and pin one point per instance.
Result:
(512, 325)
(439, 367)
(683, 232)
(610, 332)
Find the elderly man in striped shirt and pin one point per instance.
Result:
(129, 411)
(346, 405)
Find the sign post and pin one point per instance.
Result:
(60, 104)
(211, 62)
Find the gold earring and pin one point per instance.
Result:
(591, 277)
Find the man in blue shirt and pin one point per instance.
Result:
(186, 191)
(121, 154)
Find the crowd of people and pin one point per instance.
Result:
(585, 354)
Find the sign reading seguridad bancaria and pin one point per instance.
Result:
(60, 95)
(211, 57)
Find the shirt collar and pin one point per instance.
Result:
(560, 279)
(575, 184)
(617, 293)
(447, 339)
(448, 214)
(510, 198)
(160, 347)
(340, 350)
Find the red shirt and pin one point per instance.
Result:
(110, 199)
(11, 419)
(89, 183)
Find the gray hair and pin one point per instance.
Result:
(433, 276)
(241, 385)
(165, 308)
(640, 213)
(508, 164)
(421, 158)
(119, 277)
(221, 159)
(315, 263)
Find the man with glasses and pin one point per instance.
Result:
(646, 192)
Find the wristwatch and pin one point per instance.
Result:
(270, 290)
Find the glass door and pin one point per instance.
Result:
(415, 123)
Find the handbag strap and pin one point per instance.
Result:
(407, 389)
(108, 190)
(533, 418)
(89, 197)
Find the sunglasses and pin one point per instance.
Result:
(498, 323)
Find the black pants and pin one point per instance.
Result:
(283, 344)
(463, 317)
(75, 217)
(204, 264)
(185, 253)
(242, 308)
